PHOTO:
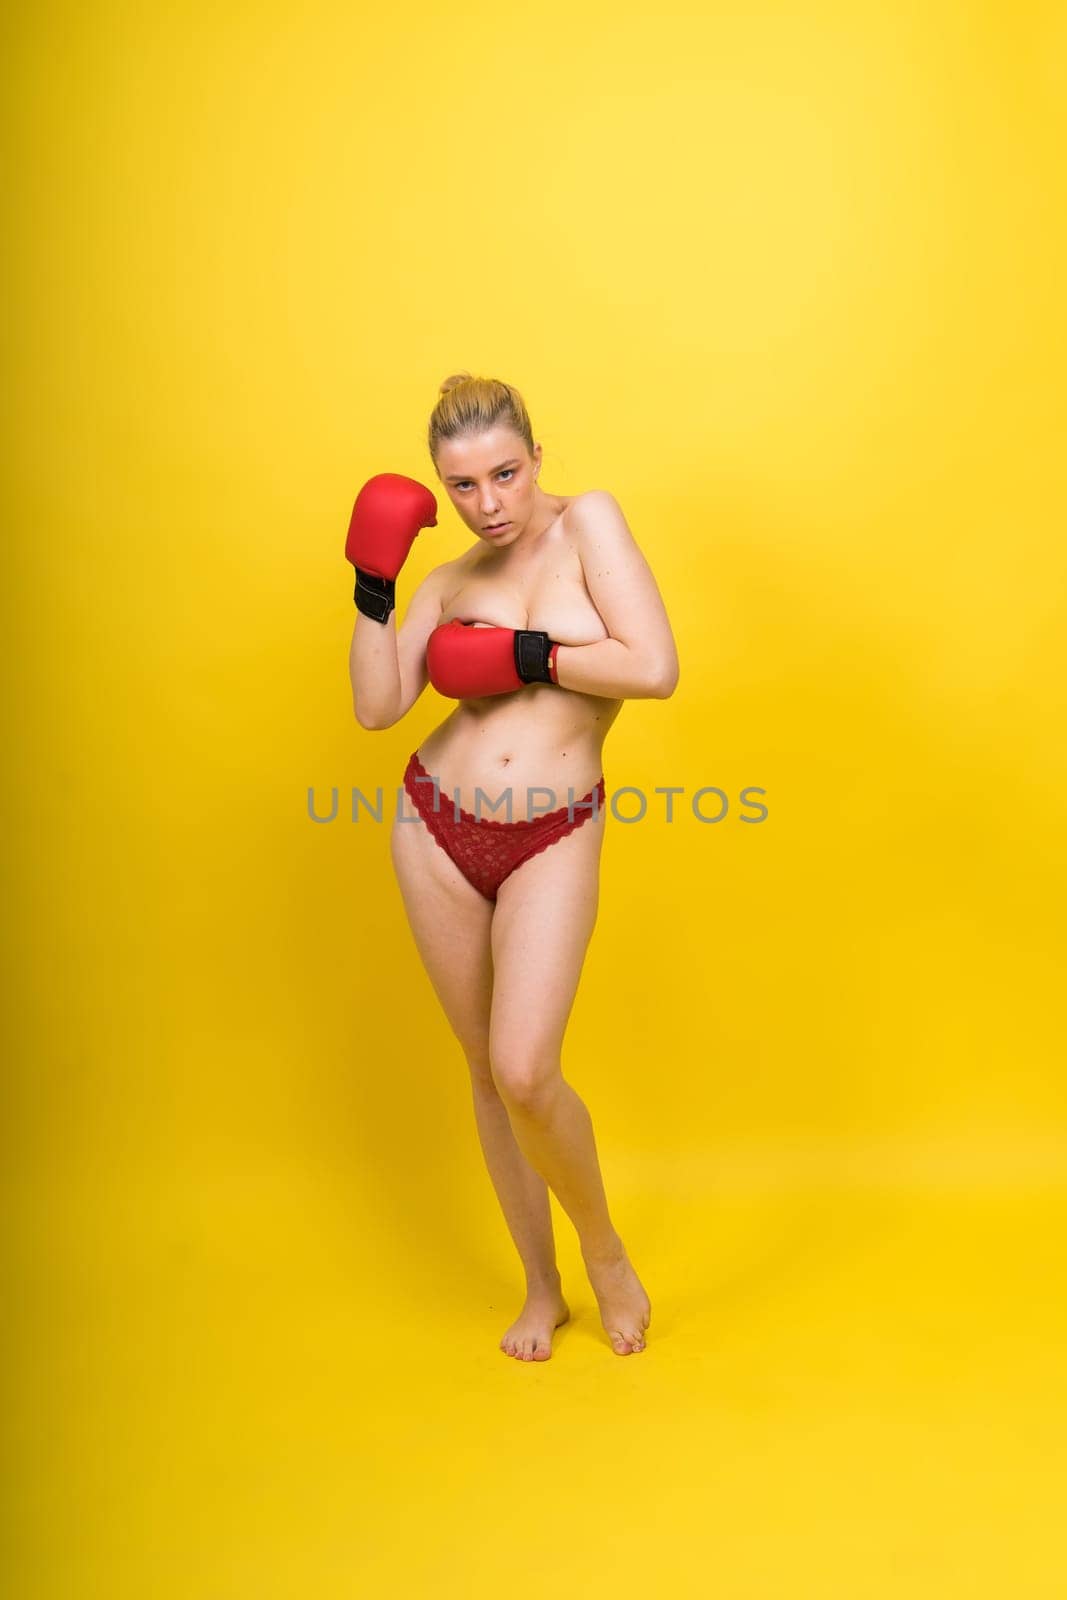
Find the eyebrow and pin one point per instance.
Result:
(461, 477)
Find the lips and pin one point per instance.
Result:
(495, 527)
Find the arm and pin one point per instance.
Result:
(387, 665)
(639, 659)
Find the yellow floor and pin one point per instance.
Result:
(242, 1384)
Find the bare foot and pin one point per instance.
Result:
(624, 1306)
(530, 1336)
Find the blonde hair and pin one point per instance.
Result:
(467, 405)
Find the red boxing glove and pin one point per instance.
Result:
(466, 663)
(390, 510)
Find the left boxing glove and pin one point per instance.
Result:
(390, 510)
(466, 663)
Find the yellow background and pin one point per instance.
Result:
(788, 280)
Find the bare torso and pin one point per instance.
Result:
(542, 736)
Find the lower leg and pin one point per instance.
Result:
(554, 1131)
(522, 1192)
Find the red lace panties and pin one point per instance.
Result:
(487, 851)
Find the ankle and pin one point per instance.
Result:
(538, 1282)
(605, 1247)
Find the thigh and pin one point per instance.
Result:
(451, 923)
(545, 915)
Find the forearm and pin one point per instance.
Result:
(615, 671)
(374, 671)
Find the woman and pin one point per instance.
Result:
(540, 630)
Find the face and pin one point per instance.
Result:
(491, 478)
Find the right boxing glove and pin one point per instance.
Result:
(390, 510)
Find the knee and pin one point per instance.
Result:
(481, 1072)
(476, 1051)
(524, 1077)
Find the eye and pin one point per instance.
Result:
(505, 471)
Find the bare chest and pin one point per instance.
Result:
(547, 591)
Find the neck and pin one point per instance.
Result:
(547, 508)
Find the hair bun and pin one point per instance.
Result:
(485, 403)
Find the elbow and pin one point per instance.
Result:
(664, 680)
(368, 719)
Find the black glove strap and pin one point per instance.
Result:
(531, 655)
(375, 596)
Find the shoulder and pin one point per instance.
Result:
(597, 521)
(453, 570)
(432, 590)
(445, 581)
(593, 503)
